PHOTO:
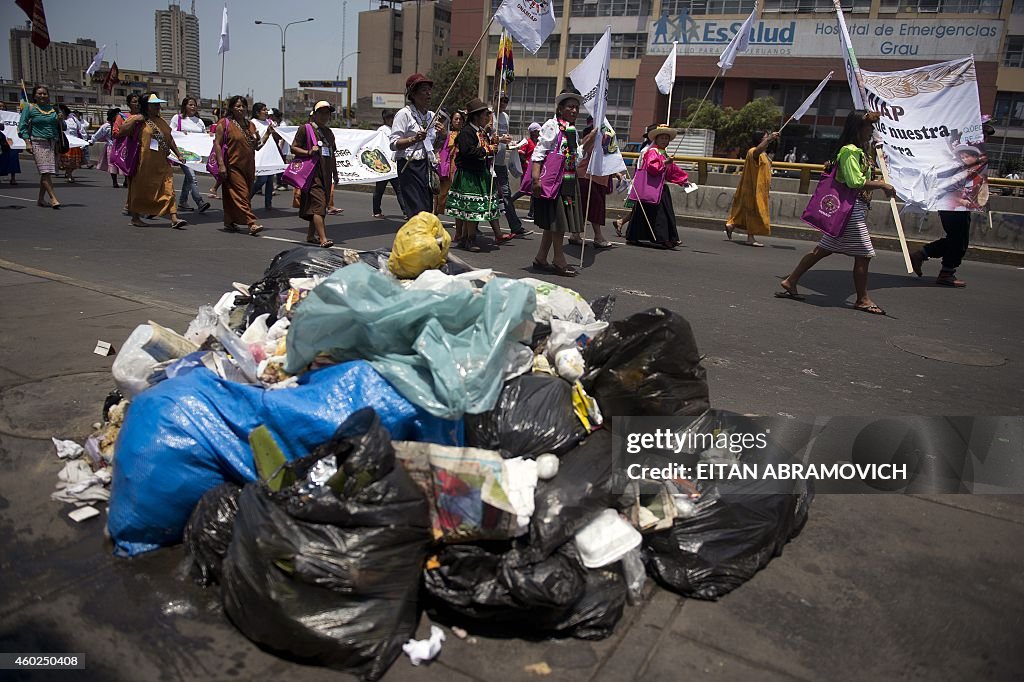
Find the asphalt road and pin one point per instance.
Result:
(764, 355)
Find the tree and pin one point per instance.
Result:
(443, 74)
(734, 129)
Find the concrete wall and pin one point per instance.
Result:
(786, 207)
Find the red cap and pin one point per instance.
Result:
(414, 80)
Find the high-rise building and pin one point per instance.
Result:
(400, 38)
(177, 44)
(58, 64)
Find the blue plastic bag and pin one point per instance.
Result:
(446, 352)
(187, 435)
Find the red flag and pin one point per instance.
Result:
(111, 78)
(34, 10)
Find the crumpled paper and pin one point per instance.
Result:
(420, 650)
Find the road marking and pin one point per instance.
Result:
(8, 196)
(293, 241)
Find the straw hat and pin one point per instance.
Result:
(662, 130)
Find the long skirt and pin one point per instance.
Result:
(655, 223)
(237, 201)
(854, 240)
(9, 163)
(46, 158)
(317, 199)
(152, 189)
(561, 214)
(104, 164)
(595, 195)
(415, 188)
(473, 197)
(72, 160)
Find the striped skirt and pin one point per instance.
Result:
(854, 239)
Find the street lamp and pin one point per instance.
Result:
(337, 86)
(284, 34)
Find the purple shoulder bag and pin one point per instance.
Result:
(300, 172)
(124, 154)
(646, 188)
(552, 170)
(831, 204)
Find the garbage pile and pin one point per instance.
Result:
(339, 449)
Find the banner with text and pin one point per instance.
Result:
(363, 155)
(932, 134)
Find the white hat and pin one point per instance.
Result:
(153, 99)
(534, 127)
(320, 105)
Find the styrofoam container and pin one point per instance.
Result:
(606, 539)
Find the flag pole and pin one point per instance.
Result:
(471, 53)
(668, 112)
(220, 94)
(497, 118)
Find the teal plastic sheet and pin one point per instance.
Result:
(446, 352)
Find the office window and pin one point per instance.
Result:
(947, 6)
(698, 7)
(1014, 55)
(624, 45)
(816, 6)
(611, 8)
(557, 7)
(1009, 109)
(549, 50)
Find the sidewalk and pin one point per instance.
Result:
(876, 587)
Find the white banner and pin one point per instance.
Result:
(666, 76)
(932, 134)
(739, 44)
(363, 155)
(591, 79)
(529, 21)
(10, 121)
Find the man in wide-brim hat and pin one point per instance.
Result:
(413, 144)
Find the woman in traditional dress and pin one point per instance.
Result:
(749, 210)
(853, 169)
(187, 121)
(474, 195)
(412, 138)
(133, 101)
(40, 127)
(656, 221)
(313, 203)
(446, 163)
(562, 213)
(620, 223)
(151, 192)
(238, 135)
(103, 136)
(72, 159)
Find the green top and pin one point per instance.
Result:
(852, 166)
(43, 125)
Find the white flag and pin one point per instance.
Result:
(802, 109)
(96, 61)
(666, 77)
(529, 22)
(739, 43)
(225, 39)
(850, 61)
(591, 79)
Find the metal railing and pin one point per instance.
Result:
(712, 164)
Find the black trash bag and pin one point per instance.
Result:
(739, 527)
(533, 415)
(603, 307)
(580, 491)
(208, 533)
(331, 577)
(113, 398)
(505, 594)
(647, 364)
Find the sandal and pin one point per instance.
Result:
(335, 211)
(507, 237)
(872, 309)
(618, 223)
(139, 223)
(178, 224)
(577, 242)
(255, 229)
(563, 270)
(543, 267)
(728, 231)
(327, 244)
(788, 293)
(603, 245)
(756, 244)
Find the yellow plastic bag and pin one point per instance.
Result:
(421, 244)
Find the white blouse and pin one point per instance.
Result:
(407, 123)
(189, 124)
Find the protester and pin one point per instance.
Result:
(656, 221)
(474, 197)
(238, 163)
(957, 225)
(9, 161)
(853, 170)
(594, 190)
(446, 163)
(629, 204)
(388, 117)
(412, 137)
(187, 121)
(103, 135)
(562, 213)
(502, 126)
(525, 149)
(40, 126)
(322, 146)
(133, 102)
(263, 183)
(749, 210)
(72, 159)
(151, 192)
(791, 156)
